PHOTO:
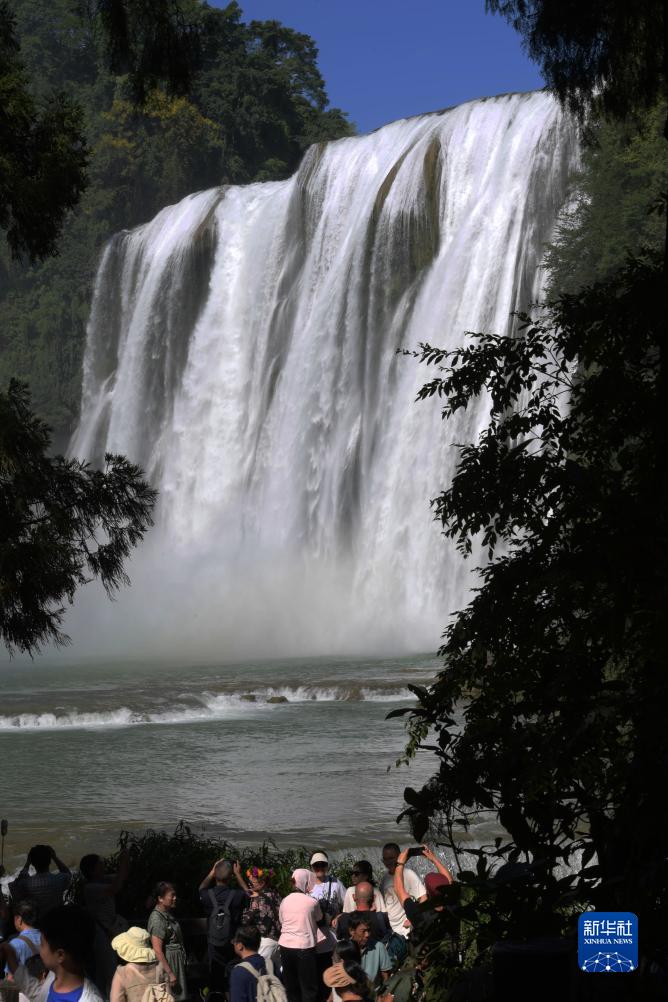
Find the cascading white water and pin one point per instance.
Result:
(242, 348)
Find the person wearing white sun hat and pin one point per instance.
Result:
(140, 970)
(329, 892)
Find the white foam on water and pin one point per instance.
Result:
(208, 707)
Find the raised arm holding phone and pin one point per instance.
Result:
(402, 859)
(433, 882)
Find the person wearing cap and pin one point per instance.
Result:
(140, 968)
(329, 892)
(327, 889)
(434, 884)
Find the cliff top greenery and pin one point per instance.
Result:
(239, 102)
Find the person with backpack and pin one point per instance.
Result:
(224, 906)
(329, 892)
(140, 977)
(67, 940)
(167, 939)
(253, 978)
(25, 944)
(327, 889)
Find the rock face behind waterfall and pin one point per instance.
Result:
(242, 348)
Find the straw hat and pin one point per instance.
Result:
(134, 946)
(336, 976)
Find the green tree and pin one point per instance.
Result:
(601, 52)
(624, 172)
(548, 716)
(256, 100)
(152, 42)
(146, 159)
(43, 155)
(553, 663)
(62, 524)
(261, 82)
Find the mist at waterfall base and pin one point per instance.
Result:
(242, 348)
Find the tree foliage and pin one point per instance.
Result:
(62, 523)
(602, 52)
(185, 858)
(547, 719)
(549, 712)
(255, 101)
(152, 42)
(43, 154)
(623, 175)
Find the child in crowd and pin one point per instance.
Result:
(67, 940)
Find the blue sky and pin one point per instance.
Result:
(386, 59)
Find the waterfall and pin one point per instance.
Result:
(242, 347)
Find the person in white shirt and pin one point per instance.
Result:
(414, 888)
(327, 889)
(329, 892)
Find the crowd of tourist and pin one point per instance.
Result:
(322, 942)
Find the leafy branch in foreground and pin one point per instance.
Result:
(549, 714)
(62, 524)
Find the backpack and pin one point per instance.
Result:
(158, 993)
(269, 988)
(331, 904)
(397, 947)
(220, 922)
